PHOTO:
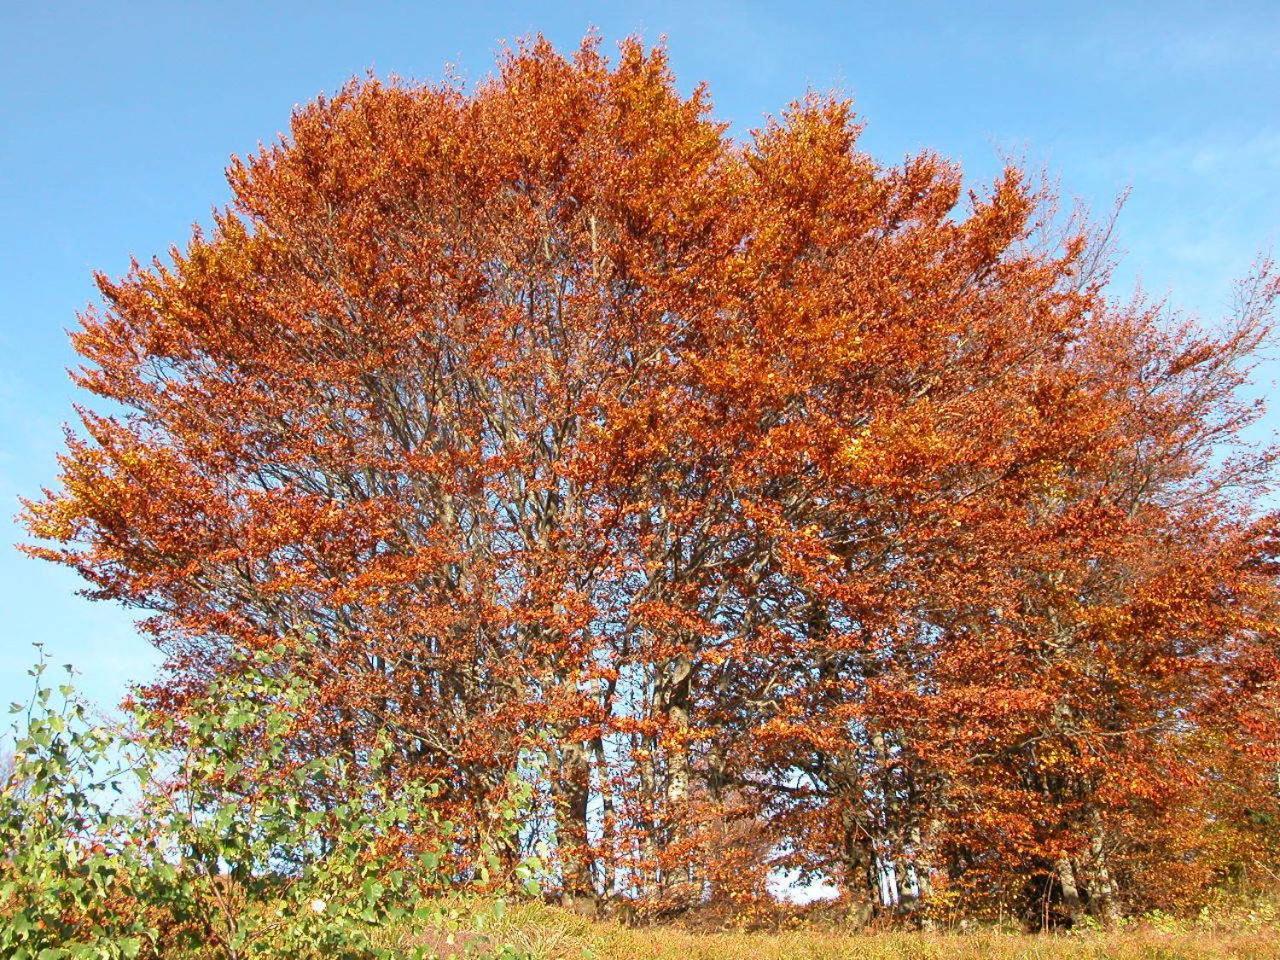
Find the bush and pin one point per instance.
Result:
(203, 834)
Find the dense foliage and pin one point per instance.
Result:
(211, 836)
(816, 514)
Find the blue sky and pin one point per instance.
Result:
(116, 122)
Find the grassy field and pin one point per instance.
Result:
(552, 934)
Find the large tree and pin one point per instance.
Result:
(787, 506)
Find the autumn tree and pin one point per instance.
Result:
(776, 506)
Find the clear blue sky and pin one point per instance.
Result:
(116, 121)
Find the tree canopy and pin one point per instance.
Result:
(801, 510)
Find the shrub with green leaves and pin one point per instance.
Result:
(70, 862)
(202, 834)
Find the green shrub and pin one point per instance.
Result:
(201, 834)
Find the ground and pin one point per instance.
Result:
(552, 934)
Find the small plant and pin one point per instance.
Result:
(70, 866)
(204, 833)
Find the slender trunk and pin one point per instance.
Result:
(1104, 900)
(678, 706)
(572, 795)
(921, 867)
(608, 818)
(1066, 874)
(861, 870)
(649, 872)
(889, 841)
(677, 702)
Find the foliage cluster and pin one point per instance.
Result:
(208, 836)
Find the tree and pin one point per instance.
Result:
(772, 492)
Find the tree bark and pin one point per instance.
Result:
(572, 795)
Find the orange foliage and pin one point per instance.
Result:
(795, 507)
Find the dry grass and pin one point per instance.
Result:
(547, 933)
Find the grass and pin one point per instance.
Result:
(548, 933)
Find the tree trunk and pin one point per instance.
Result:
(677, 701)
(1071, 902)
(1104, 900)
(860, 869)
(572, 796)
